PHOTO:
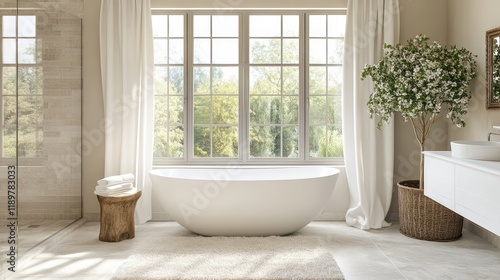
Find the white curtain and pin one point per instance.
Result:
(369, 152)
(126, 45)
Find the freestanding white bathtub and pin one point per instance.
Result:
(244, 201)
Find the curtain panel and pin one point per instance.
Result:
(126, 46)
(369, 152)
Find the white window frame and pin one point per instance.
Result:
(244, 152)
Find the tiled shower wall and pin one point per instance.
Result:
(50, 185)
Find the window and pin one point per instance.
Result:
(216, 86)
(19, 32)
(326, 43)
(248, 87)
(169, 100)
(274, 84)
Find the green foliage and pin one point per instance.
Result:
(417, 79)
(216, 108)
(274, 99)
(225, 141)
(24, 113)
(325, 112)
(325, 143)
(334, 147)
(169, 123)
(273, 126)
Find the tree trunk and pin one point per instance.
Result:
(422, 148)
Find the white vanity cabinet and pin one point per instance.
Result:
(471, 188)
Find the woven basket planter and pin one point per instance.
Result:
(422, 218)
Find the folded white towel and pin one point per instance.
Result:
(113, 188)
(117, 179)
(116, 193)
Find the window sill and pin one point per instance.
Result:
(267, 163)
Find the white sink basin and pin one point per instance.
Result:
(479, 150)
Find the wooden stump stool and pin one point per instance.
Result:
(117, 217)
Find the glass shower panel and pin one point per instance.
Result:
(41, 76)
(8, 130)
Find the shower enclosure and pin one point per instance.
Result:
(40, 112)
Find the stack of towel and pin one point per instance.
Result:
(119, 185)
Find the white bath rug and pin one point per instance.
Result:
(288, 257)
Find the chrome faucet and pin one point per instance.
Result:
(492, 133)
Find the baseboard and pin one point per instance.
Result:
(490, 237)
(330, 216)
(161, 216)
(92, 217)
(392, 217)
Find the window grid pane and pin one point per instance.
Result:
(216, 86)
(274, 88)
(169, 99)
(325, 82)
(24, 114)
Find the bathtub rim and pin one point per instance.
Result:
(336, 172)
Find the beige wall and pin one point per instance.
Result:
(468, 22)
(93, 110)
(240, 4)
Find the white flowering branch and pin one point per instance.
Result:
(417, 80)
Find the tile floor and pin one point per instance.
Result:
(375, 254)
(31, 232)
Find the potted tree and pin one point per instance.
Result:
(419, 80)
